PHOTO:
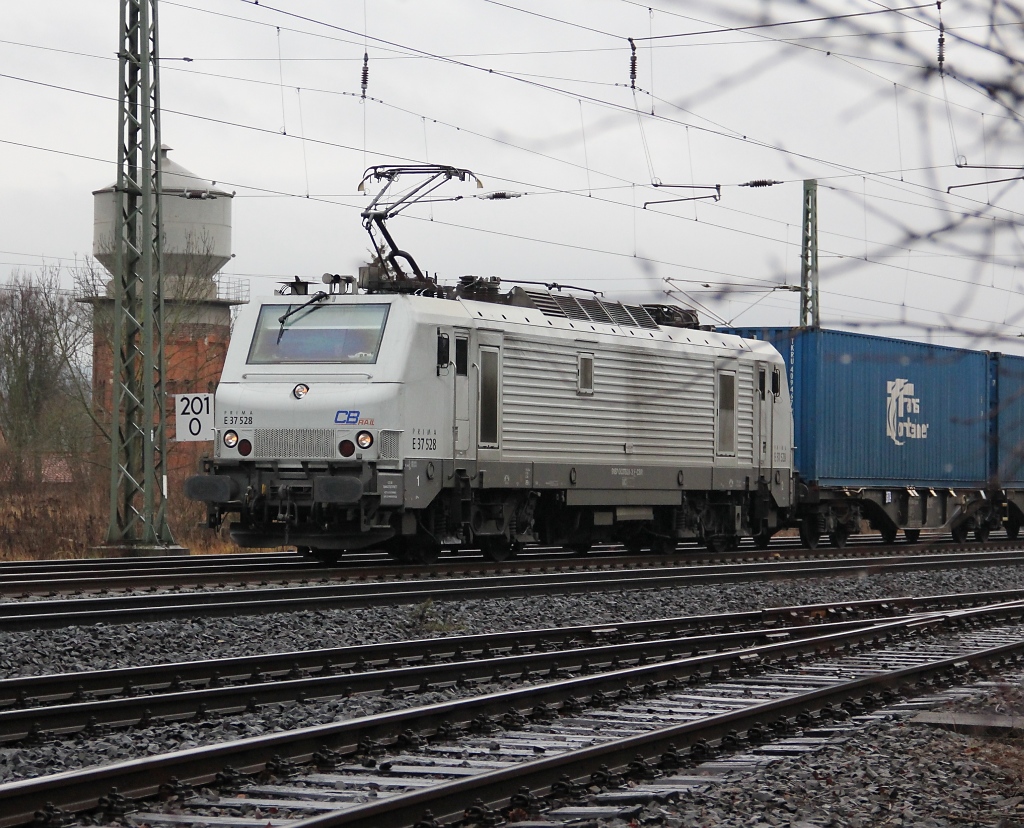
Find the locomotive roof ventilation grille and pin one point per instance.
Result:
(591, 310)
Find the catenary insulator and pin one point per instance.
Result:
(366, 72)
(632, 64)
(761, 182)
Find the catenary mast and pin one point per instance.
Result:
(138, 480)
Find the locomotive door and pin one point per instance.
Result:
(488, 394)
(764, 402)
(461, 392)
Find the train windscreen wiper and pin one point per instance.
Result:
(317, 297)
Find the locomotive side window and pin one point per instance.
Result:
(762, 383)
(489, 397)
(776, 382)
(585, 374)
(461, 357)
(346, 334)
(726, 423)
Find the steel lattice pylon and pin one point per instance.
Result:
(138, 482)
(809, 257)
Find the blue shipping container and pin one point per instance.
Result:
(879, 412)
(1009, 408)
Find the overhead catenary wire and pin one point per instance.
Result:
(327, 143)
(587, 165)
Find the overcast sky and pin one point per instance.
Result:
(536, 98)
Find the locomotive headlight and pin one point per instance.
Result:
(230, 439)
(300, 390)
(364, 439)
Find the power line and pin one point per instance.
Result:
(756, 26)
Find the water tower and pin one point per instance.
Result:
(196, 219)
(196, 244)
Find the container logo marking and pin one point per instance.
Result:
(900, 406)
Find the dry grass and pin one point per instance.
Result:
(53, 521)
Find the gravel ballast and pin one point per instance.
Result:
(110, 646)
(886, 774)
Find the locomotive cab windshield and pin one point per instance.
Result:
(321, 333)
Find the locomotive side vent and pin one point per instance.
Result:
(298, 443)
(389, 445)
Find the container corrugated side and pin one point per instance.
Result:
(879, 412)
(1010, 412)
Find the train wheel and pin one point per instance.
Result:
(414, 550)
(717, 543)
(578, 550)
(888, 534)
(809, 534)
(325, 556)
(839, 537)
(981, 532)
(663, 546)
(959, 532)
(912, 535)
(1012, 528)
(497, 549)
(762, 540)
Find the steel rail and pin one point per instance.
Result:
(153, 677)
(448, 801)
(179, 704)
(88, 565)
(50, 614)
(78, 790)
(99, 576)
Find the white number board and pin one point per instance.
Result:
(193, 415)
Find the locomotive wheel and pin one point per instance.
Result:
(912, 535)
(762, 539)
(981, 532)
(497, 549)
(839, 537)
(717, 543)
(634, 545)
(663, 546)
(959, 532)
(809, 534)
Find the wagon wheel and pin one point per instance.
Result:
(809, 534)
(414, 550)
(717, 543)
(981, 532)
(959, 532)
(1012, 527)
(912, 535)
(839, 537)
(578, 550)
(888, 534)
(497, 549)
(325, 556)
(762, 539)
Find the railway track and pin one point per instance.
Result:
(100, 576)
(131, 608)
(90, 702)
(641, 720)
